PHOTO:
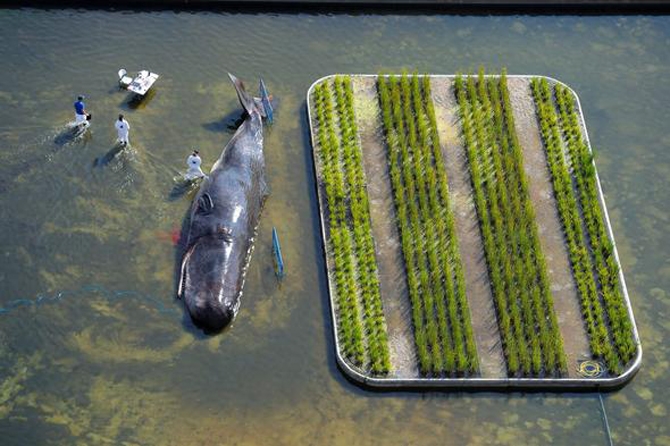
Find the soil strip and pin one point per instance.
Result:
(563, 288)
(478, 290)
(395, 297)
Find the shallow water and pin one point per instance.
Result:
(93, 347)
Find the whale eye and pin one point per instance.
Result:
(205, 204)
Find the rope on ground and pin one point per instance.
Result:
(607, 424)
(590, 369)
(41, 299)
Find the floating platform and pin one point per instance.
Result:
(466, 236)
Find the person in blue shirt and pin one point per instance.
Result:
(80, 115)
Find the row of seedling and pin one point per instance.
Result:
(436, 285)
(361, 326)
(373, 315)
(532, 343)
(591, 252)
(457, 302)
(602, 247)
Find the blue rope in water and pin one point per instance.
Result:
(606, 422)
(154, 302)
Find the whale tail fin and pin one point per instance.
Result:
(246, 99)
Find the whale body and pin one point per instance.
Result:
(223, 220)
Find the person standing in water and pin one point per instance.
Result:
(122, 128)
(193, 162)
(80, 114)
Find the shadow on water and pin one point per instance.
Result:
(134, 101)
(318, 255)
(189, 327)
(32, 154)
(123, 169)
(105, 159)
(71, 134)
(228, 123)
(234, 119)
(183, 187)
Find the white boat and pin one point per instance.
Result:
(140, 84)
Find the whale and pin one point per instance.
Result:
(222, 224)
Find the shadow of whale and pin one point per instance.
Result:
(229, 123)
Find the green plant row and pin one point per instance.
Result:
(601, 245)
(442, 213)
(350, 331)
(572, 226)
(594, 266)
(392, 115)
(542, 298)
(440, 315)
(361, 333)
(529, 329)
(373, 315)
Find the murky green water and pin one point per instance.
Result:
(112, 361)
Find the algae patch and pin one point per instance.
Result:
(15, 381)
(124, 346)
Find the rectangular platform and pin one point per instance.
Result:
(575, 366)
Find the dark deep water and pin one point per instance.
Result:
(111, 360)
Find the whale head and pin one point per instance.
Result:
(210, 282)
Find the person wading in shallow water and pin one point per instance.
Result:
(194, 170)
(81, 117)
(122, 128)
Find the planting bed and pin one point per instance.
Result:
(466, 238)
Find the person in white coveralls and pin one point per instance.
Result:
(194, 170)
(122, 128)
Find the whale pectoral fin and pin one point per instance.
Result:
(180, 288)
(182, 278)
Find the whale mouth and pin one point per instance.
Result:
(210, 299)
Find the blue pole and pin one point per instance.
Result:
(265, 99)
(279, 260)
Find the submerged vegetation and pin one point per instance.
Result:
(361, 325)
(527, 321)
(591, 251)
(440, 315)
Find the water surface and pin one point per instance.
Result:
(95, 350)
